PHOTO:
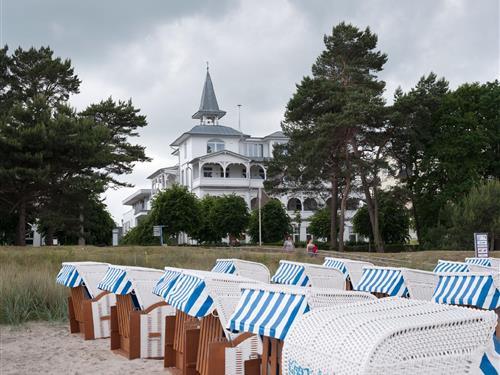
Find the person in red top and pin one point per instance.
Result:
(311, 248)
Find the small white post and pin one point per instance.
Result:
(260, 217)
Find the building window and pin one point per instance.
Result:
(255, 150)
(185, 151)
(207, 171)
(215, 145)
(294, 204)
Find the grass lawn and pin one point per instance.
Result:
(27, 275)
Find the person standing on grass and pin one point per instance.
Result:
(288, 244)
(312, 249)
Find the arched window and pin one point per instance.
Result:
(310, 204)
(214, 145)
(294, 204)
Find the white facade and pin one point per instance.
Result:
(217, 160)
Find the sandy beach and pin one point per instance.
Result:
(49, 348)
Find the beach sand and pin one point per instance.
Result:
(49, 348)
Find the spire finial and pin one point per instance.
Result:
(207, 65)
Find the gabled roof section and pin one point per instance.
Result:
(222, 152)
(169, 170)
(278, 134)
(209, 108)
(215, 130)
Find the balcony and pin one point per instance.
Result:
(228, 182)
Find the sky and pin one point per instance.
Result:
(155, 53)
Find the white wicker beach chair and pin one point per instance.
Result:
(398, 282)
(244, 268)
(388, 336)
(203, 344)
(352, 269)
(485, 262)
(89, 309)
(138, 318)
(270, 310)
(306, 274)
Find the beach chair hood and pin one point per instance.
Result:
(89, 274)
(244, 268)
(138, 281)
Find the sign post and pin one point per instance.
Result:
(158, 232)
(481, 245)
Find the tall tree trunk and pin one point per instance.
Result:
(371, 204)
(333, 213)
(49, 236)
(343, 207)
(21, 224)
(81, 236)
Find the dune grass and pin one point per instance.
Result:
(27, 275)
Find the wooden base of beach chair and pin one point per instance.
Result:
(210, 331)
(217, 356)
(271, 356)
(252, 366)
(75, 309)
(175, 356)
(126, 328)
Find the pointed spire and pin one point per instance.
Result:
(209, 109)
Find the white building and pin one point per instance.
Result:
(215, 160)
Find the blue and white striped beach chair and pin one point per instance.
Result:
(89, 308)
(244, 268)
(352, 269)
(398, 282)
(306, 274)
(475, 289)
(271, 310)
(138, 318)
(204, 301)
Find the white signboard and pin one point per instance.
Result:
(481, 245)
(157, 230)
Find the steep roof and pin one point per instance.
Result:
(215, 130)
(209, 107)
(278, 134)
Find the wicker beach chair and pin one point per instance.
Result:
(244, 268)
(389, 336)
(138, 318)
(89, 309)
(352, 269)
(479, 290)
(201, 344)
(270, 310)
(398, 282)
(485, 262)
(305, 274)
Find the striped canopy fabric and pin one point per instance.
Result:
(166, 282)
(115, 281)
(189, 294)
(485, 262)
(69, 276)
(472, 289)
(266, 312)
(490, 363)
(290, 274)
(224, 266)
(383, 280)
(446, 266)
(337, 264)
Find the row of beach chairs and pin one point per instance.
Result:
(342, 317)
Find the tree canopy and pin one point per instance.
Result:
(275, 222)
(48, 151)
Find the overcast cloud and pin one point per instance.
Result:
(155, 51)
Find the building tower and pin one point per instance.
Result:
(209, 112)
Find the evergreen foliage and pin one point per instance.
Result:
(275, 222)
